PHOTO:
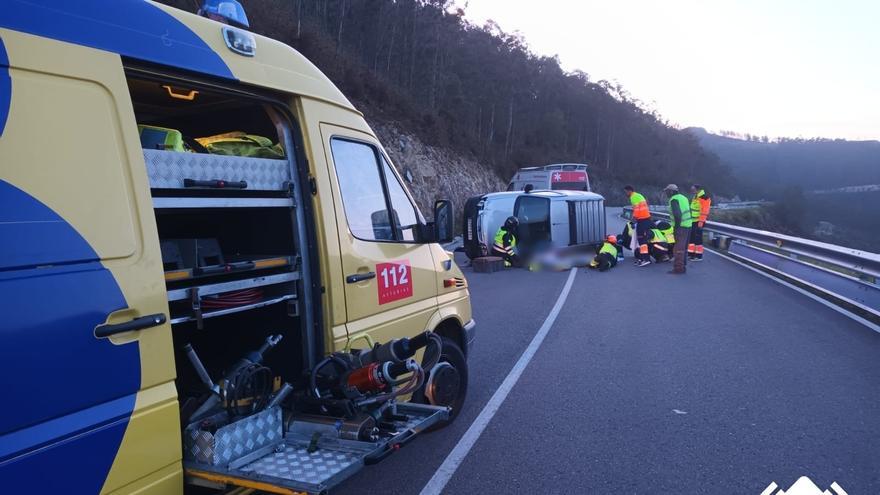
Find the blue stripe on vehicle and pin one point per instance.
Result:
(63, 428)
(132, 28)
(75, 465)
(41, 236)
(63, 381)
(5, 87)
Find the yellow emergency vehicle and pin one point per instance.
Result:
(210, 271)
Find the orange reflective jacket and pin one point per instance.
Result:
(700, 206)
(640, 207)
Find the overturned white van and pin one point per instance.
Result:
(547, 219)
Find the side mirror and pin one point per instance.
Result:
(443, 221)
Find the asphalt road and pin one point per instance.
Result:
(721, 381)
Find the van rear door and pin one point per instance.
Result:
(388, 270)
(92, 401)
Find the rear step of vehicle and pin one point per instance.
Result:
(310, 458)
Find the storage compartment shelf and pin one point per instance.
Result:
(190, 304)
(176, 170)
(219, 288)
(160, 203)
(236, 309)
(234, 266)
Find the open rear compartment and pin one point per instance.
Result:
(257, 410)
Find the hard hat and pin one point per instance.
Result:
(511, 222)
(612, 239)
(671, 187)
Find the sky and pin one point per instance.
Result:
(780, 68)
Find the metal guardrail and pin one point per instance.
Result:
(740, 205)
(848, 275)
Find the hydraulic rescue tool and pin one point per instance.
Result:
(348, 384)
(246, 386)
(344, 411)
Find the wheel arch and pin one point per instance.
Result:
(453, 330)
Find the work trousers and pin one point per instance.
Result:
(605, 261)
(643, 234)
(511, 258)
(679, 251)
(695, 248)
(660, 251)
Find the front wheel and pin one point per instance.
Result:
(446, 383)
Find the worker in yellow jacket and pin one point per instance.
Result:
(606, 255)
(701, 203)
(505, 242)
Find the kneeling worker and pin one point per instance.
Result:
(505, 241)
(659, 247)
(606, 255)
(666, 228)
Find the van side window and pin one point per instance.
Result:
(368, 190)
(362, 193)
(404, 211)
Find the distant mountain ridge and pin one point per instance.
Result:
(817, 164)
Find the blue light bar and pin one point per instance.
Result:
(225, 11)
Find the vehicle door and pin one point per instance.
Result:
(390, 274)
(93, 405)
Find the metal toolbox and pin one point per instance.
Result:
(175, 170)
(235, 442)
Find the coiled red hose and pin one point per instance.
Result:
(232, 299)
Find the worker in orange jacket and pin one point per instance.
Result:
(642, 218)
(701, 203)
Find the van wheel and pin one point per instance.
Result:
(447, 382)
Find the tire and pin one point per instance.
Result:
(452, 354)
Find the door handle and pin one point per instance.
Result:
(359, 277)
(102, 331)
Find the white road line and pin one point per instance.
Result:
(444, 473)
(809, 294)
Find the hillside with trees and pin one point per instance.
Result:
(482, 92)
(823, 189)
(762, 165)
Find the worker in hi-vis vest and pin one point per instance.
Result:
(657, 247)
(606, 254)
(680, 218)
(666, 228)
(700, 206)
(505, 242)
(642, 216)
